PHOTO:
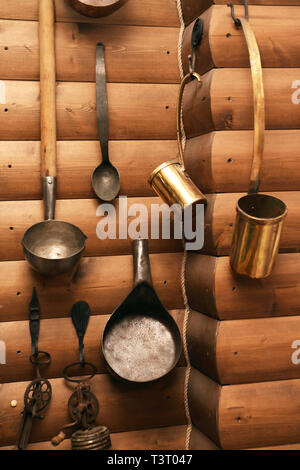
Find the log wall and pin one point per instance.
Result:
(141, 40)
(243, 335)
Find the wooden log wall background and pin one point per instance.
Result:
(141, 40)
(243, 335)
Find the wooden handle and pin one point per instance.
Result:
(55, 441)
(48, 88)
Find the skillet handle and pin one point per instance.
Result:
(141, 262)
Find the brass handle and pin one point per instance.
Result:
(184, 81)
(259, 106)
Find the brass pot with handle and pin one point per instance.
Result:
(170, 180)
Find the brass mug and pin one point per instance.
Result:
(257, 233)
(260, 217)
(170, 180)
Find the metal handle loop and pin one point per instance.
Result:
(81, 379)
(259, 106)
(258, 97)
(184, 81)
(38, 361)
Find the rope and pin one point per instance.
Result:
(184, 259)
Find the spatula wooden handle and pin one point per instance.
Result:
(47, 88)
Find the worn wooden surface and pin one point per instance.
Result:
(63, 348)
(166, 438)
(132, 54)
(246, 415)
(122, 407)
(282, 447)
(224, 100)
(191, 9)
(103, 282)
(213, 288)
(17, 217)
(133, 12)
(220, 162)
(252, 414)
(243, 351)
(224, 45)
(203, 4)
(141, 41)
(20, 167)
(136, 111)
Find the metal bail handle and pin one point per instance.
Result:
(258, 98)
(184, 82)
(259, 107)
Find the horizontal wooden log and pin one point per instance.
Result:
(191, 9)
(202, 339)
(213, 289)
(20, 167)
(102, 282)
(283, 447)
(136, 111)
(252, 415)
(63, 349)
(220, 162)
(167, 438)
(204, 397)
(132, 54)
(122, 407)
(224, 45)
(16, 217)
(247, 415)
(224, 101)
(133, 12)
(188, 5)
(220, 220)
(243, 351)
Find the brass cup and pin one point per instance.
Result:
(171, 182)
(256, 235)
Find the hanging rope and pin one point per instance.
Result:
(184, 259)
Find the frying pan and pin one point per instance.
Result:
(96, 8)
(52, 246)
(141, 341)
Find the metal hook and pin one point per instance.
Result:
(236, 20)
(197, 35)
